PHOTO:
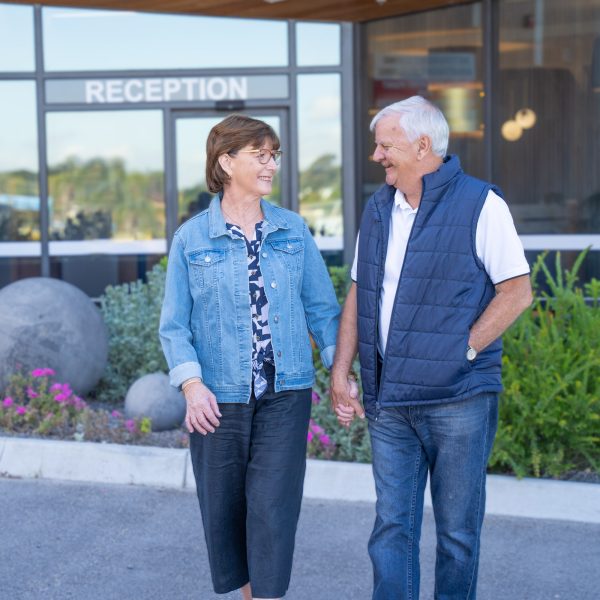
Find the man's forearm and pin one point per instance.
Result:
(347, 341)
(512, 298)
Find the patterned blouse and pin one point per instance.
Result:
(262, 349)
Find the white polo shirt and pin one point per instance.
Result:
(497, 245)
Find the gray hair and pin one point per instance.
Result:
(418, 117)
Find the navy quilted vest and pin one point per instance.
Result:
(442, 291)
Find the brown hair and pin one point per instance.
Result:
(227, 137)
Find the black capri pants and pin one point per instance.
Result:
(249, 478)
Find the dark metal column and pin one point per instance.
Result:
(349, 141)
(490, 78)
(41, 132)
(293, 202)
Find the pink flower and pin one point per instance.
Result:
(60, 398)
(130, 425)
(21, 410)
(32, 393)
(55, 387)
(317, 429)
(78, 403)
(115, 413)
(316, 399)
(8, 401)
(309, 437)
(42, 373)
(325, 440)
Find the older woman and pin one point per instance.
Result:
(245, 285)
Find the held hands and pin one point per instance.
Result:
(344, 399)
(202, 412)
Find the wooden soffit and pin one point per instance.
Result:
(306, 10)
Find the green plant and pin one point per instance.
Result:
(352, 444)
(340, 277)
(550, 409)
(34, 404)
(132, 312)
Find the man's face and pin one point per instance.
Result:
(396, 153)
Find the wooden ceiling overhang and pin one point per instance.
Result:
(306, 10)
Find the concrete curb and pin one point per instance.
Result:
(327, 480)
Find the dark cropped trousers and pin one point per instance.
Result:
(249, 479)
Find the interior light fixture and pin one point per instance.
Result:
(274, 1)
(526, 118)
(511, 131)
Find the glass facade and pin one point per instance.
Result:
(125, 103)
(16, 38)
(102, 162)
(317, 44)
(105, 195)
(20, 247)
(437, 55)
(549, 115)
(92, 40)
(320, 157)
(539, 140)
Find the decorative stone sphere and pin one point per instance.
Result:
(48, 323)
(153, 396)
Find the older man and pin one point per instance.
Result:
(439, 275)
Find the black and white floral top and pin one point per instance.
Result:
(262, 349)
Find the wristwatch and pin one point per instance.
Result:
(471, 353)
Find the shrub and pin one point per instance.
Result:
(550, 409)
(340, 277)
(34, 404)
(132, 312)
(352, 444)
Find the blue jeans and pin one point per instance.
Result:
(453, 442)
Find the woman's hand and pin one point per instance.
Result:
(202, 412)
(344, 399)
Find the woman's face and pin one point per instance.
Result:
(248, 175)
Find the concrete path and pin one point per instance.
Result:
(102, 542)
(328, 480)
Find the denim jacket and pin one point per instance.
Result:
(205, 324)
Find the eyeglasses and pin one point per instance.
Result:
(264, 155)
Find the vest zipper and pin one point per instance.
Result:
(383, 358)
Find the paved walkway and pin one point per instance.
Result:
(102, 542)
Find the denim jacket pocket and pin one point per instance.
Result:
(206, 264)
(289, 251)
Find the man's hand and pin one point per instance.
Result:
(344, 399)
(202, 412)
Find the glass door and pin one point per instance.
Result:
(191, 130)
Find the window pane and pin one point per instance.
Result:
(549, 114)
(98, 39)
(192, 194)
(19, 193)
(317, 44)
(16, 38)
(106, 204)
(320, 154)
(437, 55)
